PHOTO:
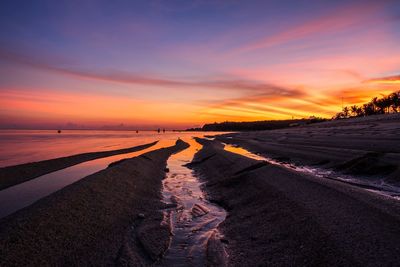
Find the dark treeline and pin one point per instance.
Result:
(256, 125)
(383, 105)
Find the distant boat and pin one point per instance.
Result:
(59, 131)
(137, 131)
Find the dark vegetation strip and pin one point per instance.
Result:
(256, 125)
(13, 175)
(383, 105)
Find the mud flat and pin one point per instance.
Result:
(112, 217)
(13, 175)
(277, 217)
(365, 147)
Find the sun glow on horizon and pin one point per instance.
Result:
(181, 66)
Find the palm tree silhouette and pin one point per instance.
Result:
(346, 112)
(354, 110)
(382, 105)
(395, 101)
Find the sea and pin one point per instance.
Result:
(23, 146)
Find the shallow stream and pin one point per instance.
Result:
(193, 219)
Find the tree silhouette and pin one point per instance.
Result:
(395, 101)
(346, 112)
(354, 110)
(383, 105)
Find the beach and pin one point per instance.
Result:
(111, 217)
(200, 133)
(282, 218)
(367, 147)
(324, 194)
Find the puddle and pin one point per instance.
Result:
(379, 187)
(193, 219)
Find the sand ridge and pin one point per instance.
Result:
(13, 175)
(111, 217)
(366, 147)
(282, 218)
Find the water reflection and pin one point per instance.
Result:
(24, 194)
(194, 220)
(22, 146)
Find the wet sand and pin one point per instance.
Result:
(278, 217)
(13, 175)
(112, 217)
(365, 147)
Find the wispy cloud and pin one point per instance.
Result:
(265, 107)
(338, 20)
(385, 80)
(220, 82)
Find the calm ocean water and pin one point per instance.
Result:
(22, 146)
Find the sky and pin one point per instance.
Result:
(178, 64)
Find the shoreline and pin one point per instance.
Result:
(16, 174)
(366, 148)
(113, 216)
(278, 217)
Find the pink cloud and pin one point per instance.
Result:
(228, 83)
(336, 21)
(385, 80)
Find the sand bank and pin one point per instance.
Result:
(281, 218)
(111, 217)
(13, 175)
(366, 147)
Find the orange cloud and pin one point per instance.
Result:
(324, 104)
(385, 80)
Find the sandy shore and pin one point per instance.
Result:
(368, 147)
(111, 217)
(13, 175)
(277, 217)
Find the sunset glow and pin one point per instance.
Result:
(180, 64)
